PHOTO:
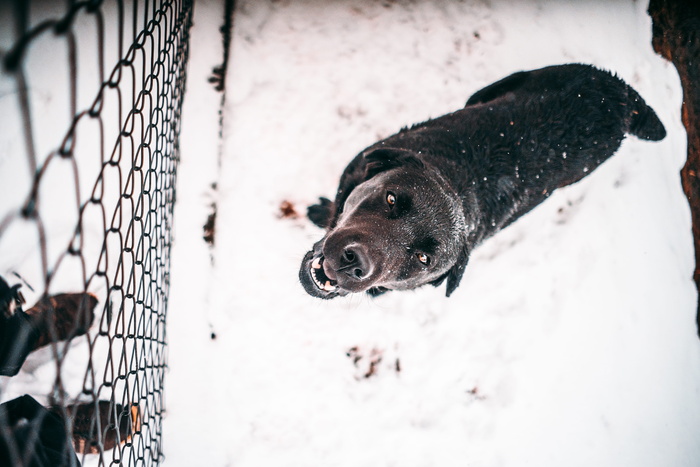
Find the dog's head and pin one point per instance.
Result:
(402, 226)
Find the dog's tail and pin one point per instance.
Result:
(644, 123)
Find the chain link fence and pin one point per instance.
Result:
(90, 102)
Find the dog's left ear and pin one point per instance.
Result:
(454, 275)
(383, 159)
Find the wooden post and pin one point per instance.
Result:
(676, 37)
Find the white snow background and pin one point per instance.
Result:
(571, 340)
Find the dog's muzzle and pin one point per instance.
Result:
(314, 278)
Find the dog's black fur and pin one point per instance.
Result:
(410, 209)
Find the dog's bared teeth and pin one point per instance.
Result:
(329, 285)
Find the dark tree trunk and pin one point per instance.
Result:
(676, 37)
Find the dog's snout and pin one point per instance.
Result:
(351, 259)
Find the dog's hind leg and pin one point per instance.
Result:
(645, 124)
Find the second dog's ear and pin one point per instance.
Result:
(380, 160)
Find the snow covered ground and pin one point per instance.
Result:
(571, 340)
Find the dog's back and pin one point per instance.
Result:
(642, 120)
(519, 139)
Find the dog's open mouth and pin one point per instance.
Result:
(319, 277)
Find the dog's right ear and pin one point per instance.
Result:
(383, 159)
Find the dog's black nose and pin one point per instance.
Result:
(353, 262)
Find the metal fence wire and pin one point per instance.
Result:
(90, 103)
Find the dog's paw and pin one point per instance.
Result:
(322, 213)
(376, 291)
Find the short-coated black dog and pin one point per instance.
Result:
(410, 209)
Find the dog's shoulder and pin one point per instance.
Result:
(499, 88)
(545, 81)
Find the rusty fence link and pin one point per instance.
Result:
(90, 101)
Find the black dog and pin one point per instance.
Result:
(410, 209)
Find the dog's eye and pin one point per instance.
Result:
(390, 199)
(423, 258)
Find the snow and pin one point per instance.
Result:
(571, 340)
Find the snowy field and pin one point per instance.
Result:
(571, 340)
